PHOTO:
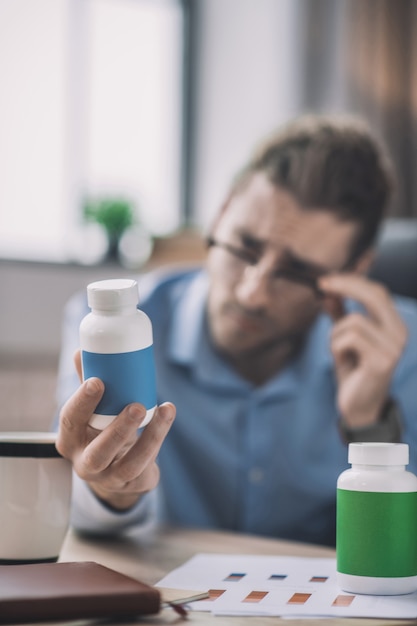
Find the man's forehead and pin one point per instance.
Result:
(261, 203)
(272, 215)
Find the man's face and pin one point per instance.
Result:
(261, 232)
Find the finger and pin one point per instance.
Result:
(156, 431)
(78, 365)
(113, 442)
(125, 481)
(136, 467)
(143, 454)
(392, 338)
(75, 415)
(114, 490)
(334, 307)
(360, 324)
(375, 297)
(367, 346)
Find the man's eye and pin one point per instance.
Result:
(246, 255)
(252, 249)
(297, 266)
(300, 268)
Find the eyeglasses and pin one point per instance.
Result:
(242, 258)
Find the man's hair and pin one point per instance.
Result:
(329, 163)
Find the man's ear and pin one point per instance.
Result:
(364, 262)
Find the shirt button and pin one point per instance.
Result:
(256, 475)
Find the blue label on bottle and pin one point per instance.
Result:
(128, 377)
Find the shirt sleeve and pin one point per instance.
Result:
(92, 517)
(405, 381)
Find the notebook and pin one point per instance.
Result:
(68, 591)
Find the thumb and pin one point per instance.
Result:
(333, 306)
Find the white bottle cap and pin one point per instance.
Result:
(110, 295)
(378, 453)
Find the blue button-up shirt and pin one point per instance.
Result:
(261, 460)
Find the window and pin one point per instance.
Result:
(91, 105)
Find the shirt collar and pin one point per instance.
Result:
(187, 321)
(189, 342)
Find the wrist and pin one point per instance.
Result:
(115, 501)
(386, 428)
(364, 416)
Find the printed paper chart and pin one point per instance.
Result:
(272, 585)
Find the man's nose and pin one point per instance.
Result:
(253, 289)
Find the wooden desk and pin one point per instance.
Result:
(149, 556)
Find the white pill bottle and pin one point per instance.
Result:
(117, 346)
(376, 521)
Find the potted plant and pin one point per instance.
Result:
(114, 214)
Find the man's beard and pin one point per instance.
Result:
(261, 361)
(293, 342)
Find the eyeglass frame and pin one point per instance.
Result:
(290, 275)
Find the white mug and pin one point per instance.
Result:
(35, 497)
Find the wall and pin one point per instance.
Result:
(244, 87)
(244, 53)
(32, 301)
(33, 296)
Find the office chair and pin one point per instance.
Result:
(395, 264)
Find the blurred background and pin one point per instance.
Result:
(123, 121)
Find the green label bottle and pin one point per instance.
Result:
(376, 524)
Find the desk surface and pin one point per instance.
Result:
(149, 556)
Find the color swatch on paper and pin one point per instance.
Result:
(343, 601)
(255, 596)
(299, 598)
(280, 586)
(214, 594)
(234, 577)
